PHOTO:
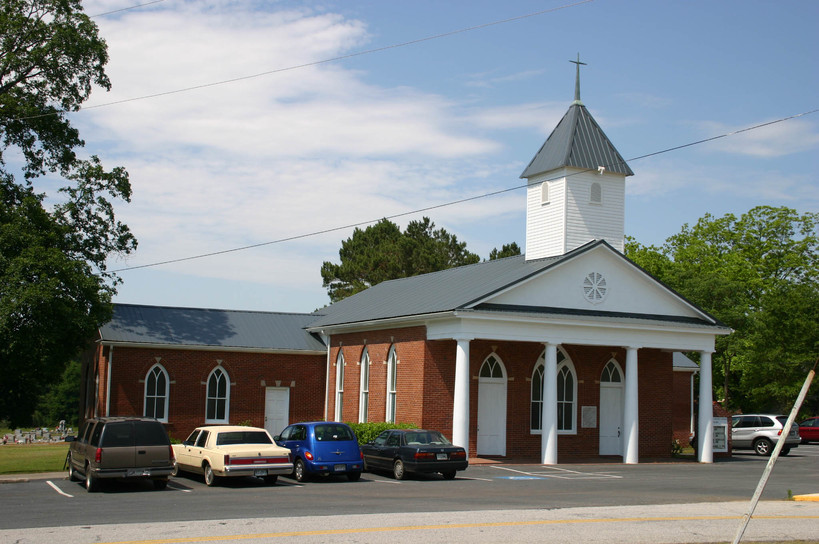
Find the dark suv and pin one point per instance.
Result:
(121, 447)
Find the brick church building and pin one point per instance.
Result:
(569, 351)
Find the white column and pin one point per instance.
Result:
(460, 404)
(548, 438)
(705, 436)
(631, 412)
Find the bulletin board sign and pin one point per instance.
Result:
(720, 434)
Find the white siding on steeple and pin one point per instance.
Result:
(545, 232)
(587, 220)
(571, 219)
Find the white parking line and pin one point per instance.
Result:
(563, 473)
(386, 482)
(58, 490)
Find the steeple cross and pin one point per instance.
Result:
(577, 79)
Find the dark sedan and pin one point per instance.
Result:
(405, 451)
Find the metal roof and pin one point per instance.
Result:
(229, 329)
(683, 363)
(466, 287)
(431, 293)
(579, 142)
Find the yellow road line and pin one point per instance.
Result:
(328, 532)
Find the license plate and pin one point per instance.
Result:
(441, 457)
(139, 473)
(340, 467)
(260, 472)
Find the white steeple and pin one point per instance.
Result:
(576, 186)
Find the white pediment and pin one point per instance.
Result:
(597, 280)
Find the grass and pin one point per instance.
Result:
(26, 458)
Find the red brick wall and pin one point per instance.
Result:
(188, 371)
(426, 376)
(410, 351)
(425, 385)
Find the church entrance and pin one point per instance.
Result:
(492, 407)
(611, 409)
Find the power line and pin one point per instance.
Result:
(462, 200)
(308, 64)
(125, 9)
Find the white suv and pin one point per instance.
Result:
(761, 432)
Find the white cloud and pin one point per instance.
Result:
(775, 140)
(276, 156)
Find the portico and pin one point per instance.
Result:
(551, 336)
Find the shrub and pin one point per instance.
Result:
(366, 432)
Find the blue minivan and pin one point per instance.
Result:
(322, 447)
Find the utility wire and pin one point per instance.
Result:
(462, 200)
(307, 64)
(125, 9)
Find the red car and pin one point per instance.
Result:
(809, 430)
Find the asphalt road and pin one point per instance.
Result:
(481, 501)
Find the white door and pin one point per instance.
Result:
(492, 417)
(276, 409)
(611, 420)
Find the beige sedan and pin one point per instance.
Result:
(225, 450)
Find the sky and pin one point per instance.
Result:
(260, 123)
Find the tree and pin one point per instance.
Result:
(507, 250)
(61, 399)
(757, 274)
(55, 289)
(382, 252)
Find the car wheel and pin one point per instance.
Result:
(91, 483)
(354, 476)
(449, 475)
(299, 471)
(72, 474)
(762, 446)
(366, 466)
(785, 451)
(175, 471)
(271, 479)
(210, 477)
(159, 485)
(398, 470)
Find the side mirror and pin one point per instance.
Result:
(277, 437)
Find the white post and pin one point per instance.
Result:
(705, 436)
(631, 412)
(548, 438)
(460, 404)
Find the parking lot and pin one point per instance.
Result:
(58, 502)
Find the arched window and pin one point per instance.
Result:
(217, 407)
(491, 368)
(596, 194)
(364, 391)
(544, 192)
(339, 384)
(611, 373)
(392, 381)
(156, 393)
(566, 395)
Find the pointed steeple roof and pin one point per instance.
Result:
(577, 141)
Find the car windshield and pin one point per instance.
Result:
(329, 432)
(782, 420)
(426, 438)
(242, 437)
